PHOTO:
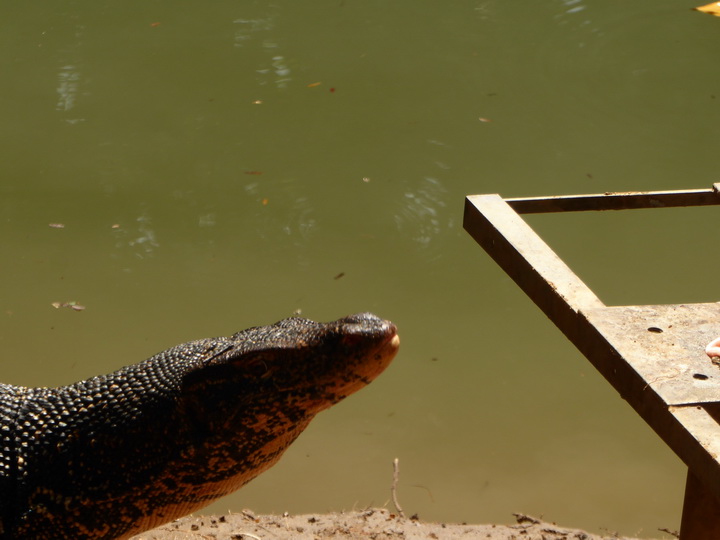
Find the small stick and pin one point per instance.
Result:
(524, 518)
(393, 488)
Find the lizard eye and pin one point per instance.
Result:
(258, 368)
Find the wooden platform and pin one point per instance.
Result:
(653, 355)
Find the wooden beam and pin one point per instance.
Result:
(623, 200)
(652, 355)
(701, 511)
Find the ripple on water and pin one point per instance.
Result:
(421, 214)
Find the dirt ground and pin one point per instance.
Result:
(372, 524)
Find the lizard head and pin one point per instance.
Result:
(294, 368)
(254, 392)
(118, 454)
(320, 363)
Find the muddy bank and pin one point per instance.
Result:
(375, 524)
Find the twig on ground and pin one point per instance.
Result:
(393, 488)
(524, 518)
(250, 516)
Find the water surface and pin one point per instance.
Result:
(226, 164)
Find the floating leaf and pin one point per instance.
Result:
(712, 9)
(313, 85)
(72, 305)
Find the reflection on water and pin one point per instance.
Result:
(421, 214)
(575, 14)
(301, 221)
(69, 77)
(281, 206)
(279, 68)
(207, 220)
(257, 30)
(573, 6)
(248, 27)
(139, 236)
(67, 89)
(485, 10)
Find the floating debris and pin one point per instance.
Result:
(712, 9)
(56, 225)
(72, 305)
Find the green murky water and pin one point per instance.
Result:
(219, 165)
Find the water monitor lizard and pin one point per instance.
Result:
(118, 454)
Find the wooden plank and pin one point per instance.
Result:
(701, 511)
(652, 355)
(556, 290)
(529, 261)
(701, 451)
(665, 345)
(616, 201)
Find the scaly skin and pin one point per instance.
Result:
(118, 454)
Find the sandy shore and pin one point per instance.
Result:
(375, 524)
